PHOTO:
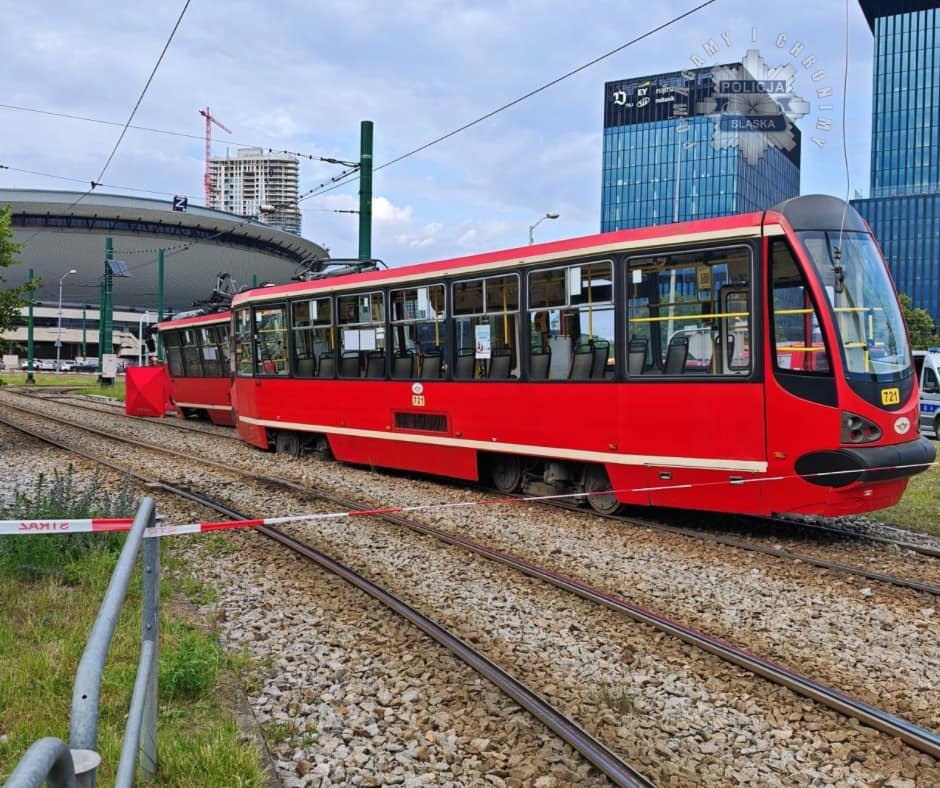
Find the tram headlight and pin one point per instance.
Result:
(858, 429)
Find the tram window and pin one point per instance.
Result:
(797, 337)
(691, 313)
(571, 322)
(210, 353)
(174, 355)
(225, 347)
(271, 340)
(192, 366)
(243, 335)
(418, 330)
(361, 321)
(486, 313)
(312, 327)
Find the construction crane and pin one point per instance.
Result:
(209, 121)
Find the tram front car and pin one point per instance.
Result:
(842, 402)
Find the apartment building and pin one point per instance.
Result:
(258, 185)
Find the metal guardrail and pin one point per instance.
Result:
(50, 761)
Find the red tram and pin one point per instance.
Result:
(197, 350)
(752, 364)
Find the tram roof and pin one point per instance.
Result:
(701, 231)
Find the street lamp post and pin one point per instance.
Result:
(549, 215)
(140, 337)
(58, 335)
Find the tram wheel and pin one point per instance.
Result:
(595, 481)
(288, 443)
(506, 472)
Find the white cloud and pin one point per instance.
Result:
(383, 211)
(304, 77)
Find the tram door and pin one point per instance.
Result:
(691, 317)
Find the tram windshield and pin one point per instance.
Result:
(870, 328)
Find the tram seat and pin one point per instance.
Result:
(465, 364)
(601, 354)
(676, 355)
(327, 365)
(582, 364)
(375, 364)
(403, 367)
(500, 364)
(636, 355)
(431, 364)
(305, 367)
(540, 362)
(350, 364)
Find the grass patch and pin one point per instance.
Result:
(918, 509)
(84, 383)
(47, 617)
(189, 663)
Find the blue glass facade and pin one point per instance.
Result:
(904, 208)
(662, 163)
(908, 229)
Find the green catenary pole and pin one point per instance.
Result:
(160, 262)
(365, 191)
(84, 329)
(29, 333)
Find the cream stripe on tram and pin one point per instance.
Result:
(701, 463)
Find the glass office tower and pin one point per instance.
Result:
(671, 152)
(903, 209)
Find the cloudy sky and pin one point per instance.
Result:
(300, 75)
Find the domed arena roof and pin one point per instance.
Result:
(66, 230)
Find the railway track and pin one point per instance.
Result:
(699, 534)
(923, 740)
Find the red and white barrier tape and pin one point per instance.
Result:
(32, 527)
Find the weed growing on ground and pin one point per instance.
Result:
(618, 700)
(189, 664)
(59, 498)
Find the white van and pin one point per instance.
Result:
(927, 365)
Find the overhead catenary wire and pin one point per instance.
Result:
(336, 181)
(520, 99)
(347, 176)
(117, 144)
(168, 132)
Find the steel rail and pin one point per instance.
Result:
(566, 729)
(824, 563)
(607, 762)
(914, 735)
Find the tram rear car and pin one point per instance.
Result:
(197, 351)
(751, 364)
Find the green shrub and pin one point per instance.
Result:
(61, 498)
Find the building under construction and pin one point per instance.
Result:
(257, 186)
